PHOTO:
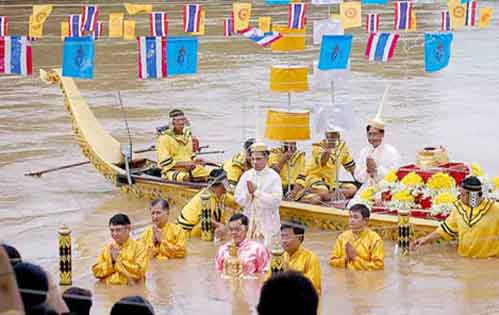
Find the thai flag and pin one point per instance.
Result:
(192, 17)
(15, 55)
(381, 46)
(152, 57)
(402, 17)
(159, 24)
(445, 21)
(470, 13)
(3, 26)
(260, 37)
(75, 22)
(296, 15)
(372, 23)
(90, 15)
(228, 27)
(97, 33)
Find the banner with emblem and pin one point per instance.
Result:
(15, 55)
(78, 57)
(242, 15)
(437, 50)
(41, 13)
(182, 55)
(335, 52)
(485, 17)
(129, 30)
(351, 15)
(457, 15)
(35, 30)
(116, 24)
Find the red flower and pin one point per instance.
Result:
(426, 203)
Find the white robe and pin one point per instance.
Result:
(386, 157)
(262, 209)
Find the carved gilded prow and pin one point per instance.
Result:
(102, 149)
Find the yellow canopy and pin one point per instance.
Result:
(287, 125)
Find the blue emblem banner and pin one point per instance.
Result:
(335, 52)
(436, 50)
(78, 57)
(182, 55)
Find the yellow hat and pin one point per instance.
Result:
(259, 147)
(377, 121)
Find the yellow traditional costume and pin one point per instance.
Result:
(221, 209)
(477, 229)
(323, 177)
(235, 167)
(173, 242)
(305, 261)
(173, 148)
(368, 245)
(291, 169)
(129, 267)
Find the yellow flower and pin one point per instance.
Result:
(444, 198)
(476, 170)
(441, 181)
(495, 182)
(404, 196)
(391, 177)
(412, 180)
(368, 194)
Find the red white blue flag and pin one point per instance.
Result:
(192, 17)
(97, 33)
(260, 37)
(470, 13)
(381, 46)
(15, 55)
(228, 27)
(297, 15)
(159, 24)
(3, 26)
(152, 57)
(445, 21)
(75, 23)
(372, 23)
(402, 17)
(90, 16)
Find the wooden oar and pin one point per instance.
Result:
(50, 170)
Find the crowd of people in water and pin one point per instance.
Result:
(238, 211)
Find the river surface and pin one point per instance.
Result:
(456, 107)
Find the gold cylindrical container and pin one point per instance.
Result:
(277, 263)
(65, 264)
(404, 232)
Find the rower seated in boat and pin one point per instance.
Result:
(238, 164)
(474, 222)
(175, 152)
(209, 209)
(289, 163)
(318, 182)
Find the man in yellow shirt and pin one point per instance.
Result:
(474, 222)
(297, 257)
(175, 154)
(124, 260)
(359, 248)
(289, 163)
(318, 182)
(163, 240)
(221, 205)
(238, 164)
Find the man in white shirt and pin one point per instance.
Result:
(259, 193)
(377, 159)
